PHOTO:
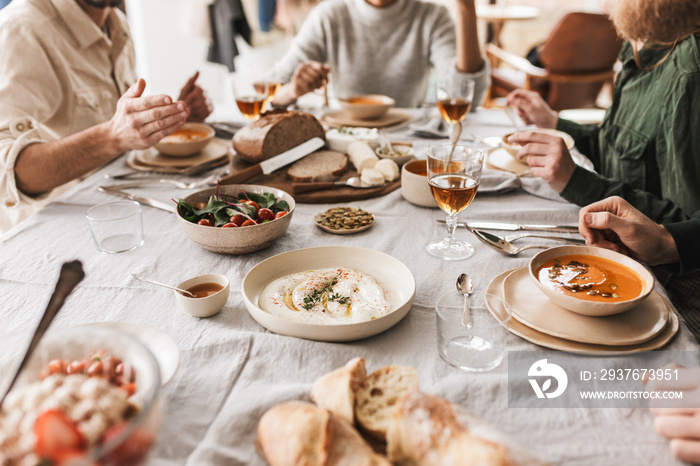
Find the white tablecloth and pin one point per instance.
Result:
(232, 370)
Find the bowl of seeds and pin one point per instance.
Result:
(344, 220)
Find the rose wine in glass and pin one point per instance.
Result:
(271, 89)
(454, 110)
(453, 180)
(454, 97)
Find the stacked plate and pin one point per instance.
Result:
(392, 118)
(646, 327)
(214, 154)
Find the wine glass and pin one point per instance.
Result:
(453, 180)
(251, 97)
(454, 98)
(272, 87)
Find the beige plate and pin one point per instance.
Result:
(583, 115)
(393, 117)
(340, 232)
(534, 309)
(392, 275)
(216, 149)
(162, 345)
(500, 159)
(560, 344)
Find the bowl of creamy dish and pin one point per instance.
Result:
(329, 293)
(186, 141)
(590, 281)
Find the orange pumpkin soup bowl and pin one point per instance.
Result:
(590, 281)
(367, 107)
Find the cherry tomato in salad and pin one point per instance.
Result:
(280, 214)
(265, 214)
(229, 225)
(204, 222)
(253, 204)
(237, 219)
(248, 223)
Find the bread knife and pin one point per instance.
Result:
(268, 166)
(143, 200)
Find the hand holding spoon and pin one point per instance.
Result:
(179, 290)
(465, 287)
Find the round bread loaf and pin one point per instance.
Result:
(325, 165)
(275, 132)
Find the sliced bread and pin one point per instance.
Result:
(335, 391)
(325, 165)
(379, 393)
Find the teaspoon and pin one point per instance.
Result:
(465, 287)
(179, 290)
(71, 274)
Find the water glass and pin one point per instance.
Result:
(480, 347)
(116, 226)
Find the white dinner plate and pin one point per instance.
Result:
(548, 341)
(500, 159)
(393, 276)
(162, 345)
(534, 309)
(583, 115)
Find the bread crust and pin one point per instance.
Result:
(275, 132)
(335, 391)
(325, 165)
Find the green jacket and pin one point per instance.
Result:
(647, 149)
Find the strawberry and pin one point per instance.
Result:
(132, 450)
(56, 435)
(67, 457)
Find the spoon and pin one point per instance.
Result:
(501, 245)
(180, 290)
(513, 117)
(71, 274)
(465, 287)
(388, 142)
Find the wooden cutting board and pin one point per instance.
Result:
(279, 180)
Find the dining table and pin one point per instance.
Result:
(232, 370)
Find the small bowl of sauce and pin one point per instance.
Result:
(211, 293)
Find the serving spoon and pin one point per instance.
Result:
(179, 290)
(465, 287)
(513, 117)
(71, 274)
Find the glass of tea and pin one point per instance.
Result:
(251, 98)
(454, 173)
(454, 98)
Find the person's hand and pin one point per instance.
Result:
(532, 108)
(547, 157)
(196, 99)
(139, 122)
(681, 423)
(614, 224)
(308, 77)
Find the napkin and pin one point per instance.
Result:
(433, 128)
(500, 182)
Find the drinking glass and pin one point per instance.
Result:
(251, 97)
(454, 98)
(271, 89)
(480, 347)
(116, 226)
(454, 173)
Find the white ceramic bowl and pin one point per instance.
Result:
(209, 305)
(581, 306)
(392, 275)
(367, 107)
(186, 141)
(401, 155)
(513, 149)
(242, 240)
(414, 184)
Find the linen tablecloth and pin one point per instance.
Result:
(232, 370)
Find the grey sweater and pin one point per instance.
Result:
(386, 51)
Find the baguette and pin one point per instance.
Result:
(325, 165)
(298, 433)
(335, 391)
(379, 393)
(424, 431)
(275, 132)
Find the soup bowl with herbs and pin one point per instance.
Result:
(590, 281)
(237, 218)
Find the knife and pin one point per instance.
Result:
(353, 182)
(516, 227)
(268, 166)
(143, 200)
